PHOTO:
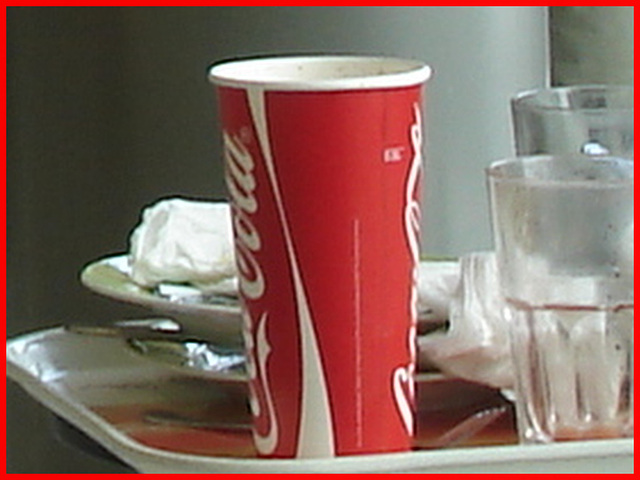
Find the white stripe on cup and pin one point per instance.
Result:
(315, 434)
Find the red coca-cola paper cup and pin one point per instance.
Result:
(323, 167)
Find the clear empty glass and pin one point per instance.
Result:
(563, 233)
(589, 119)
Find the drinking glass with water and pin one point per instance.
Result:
(563, 232)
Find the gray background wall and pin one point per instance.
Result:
(592, 45)
(109, 110)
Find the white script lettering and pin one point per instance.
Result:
(241, 184)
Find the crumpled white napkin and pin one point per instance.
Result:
(183, 241)
(437, 283)
(476, 345)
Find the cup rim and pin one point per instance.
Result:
(530, 98)
(330, 72)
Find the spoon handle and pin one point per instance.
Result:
(166, 417)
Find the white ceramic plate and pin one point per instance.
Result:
(215, 318)
(101, 387)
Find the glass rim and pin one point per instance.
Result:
(533, 98)
(513, 170)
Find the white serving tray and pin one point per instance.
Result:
(99, 385)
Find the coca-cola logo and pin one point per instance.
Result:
(403, 375)
(241, 184)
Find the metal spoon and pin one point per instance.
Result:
(468, 427)
(194, 354)
(162, 340)
(149, 328)
(166, 417)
